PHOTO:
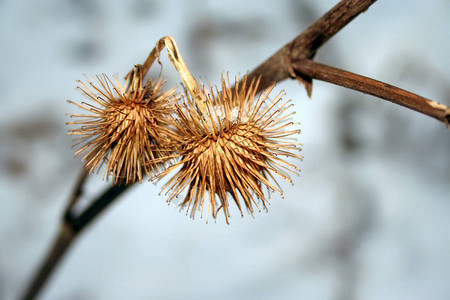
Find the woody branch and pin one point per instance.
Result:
(295, 60)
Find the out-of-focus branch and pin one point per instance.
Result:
(308, 68)
(71, 225)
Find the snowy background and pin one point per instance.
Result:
(367, 219)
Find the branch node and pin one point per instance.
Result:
(306, 81)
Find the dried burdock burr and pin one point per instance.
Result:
(233, 147)
(125, 126)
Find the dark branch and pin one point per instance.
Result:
(98, 205)
(77, 191)
(70, 228)
(57, 251)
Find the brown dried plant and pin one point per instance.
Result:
(232, 148)
(229, 143)
(125, 127)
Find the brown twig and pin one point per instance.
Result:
(304, 46)
(311, 69)
(58, 249)
(71, 226)
(77, 191)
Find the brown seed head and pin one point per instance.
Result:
(233, 149)
(125, 127)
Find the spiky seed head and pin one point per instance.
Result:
(125, 127)
(233, 150)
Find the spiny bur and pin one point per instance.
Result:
(124, 128)
(232, 147)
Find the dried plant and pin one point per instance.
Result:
(125, 127)
(232, 149)
(229, 143)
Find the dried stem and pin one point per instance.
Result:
(78, 223)
(176, 59)
(71, 226)
(77, 191)
(311, 69)
(59, 248)
(304, 46)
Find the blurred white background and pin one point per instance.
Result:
(368, 218)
